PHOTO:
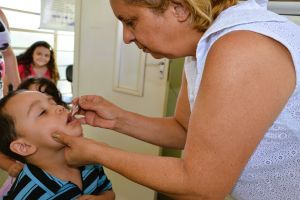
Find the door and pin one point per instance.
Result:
(96, 49)
(287, 8)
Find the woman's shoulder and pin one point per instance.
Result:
(242, 17)
(245, 45)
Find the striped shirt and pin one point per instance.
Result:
(34, 183)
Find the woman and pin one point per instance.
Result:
(237, 115)
(38, 61)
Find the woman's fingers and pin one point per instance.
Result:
(62, 138)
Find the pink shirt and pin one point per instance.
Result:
(32, 72)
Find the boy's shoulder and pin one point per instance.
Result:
(33, 181)
(92, 166)
(39, 177)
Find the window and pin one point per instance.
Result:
(24, 20)
(285, 7)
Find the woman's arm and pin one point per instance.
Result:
(244, 88)
(167, 132)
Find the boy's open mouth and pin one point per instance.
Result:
(73, 112)
(70, 118)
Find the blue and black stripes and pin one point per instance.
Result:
(34, 183)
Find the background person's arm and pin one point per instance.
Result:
(10, 166)
(11, 67)
(5, 162)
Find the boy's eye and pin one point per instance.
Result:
(42, 113)
(52, 102)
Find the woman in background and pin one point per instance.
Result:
(38, 61)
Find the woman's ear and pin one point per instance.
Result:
(23, 148)
(180, 10)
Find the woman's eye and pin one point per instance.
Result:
(129, 23)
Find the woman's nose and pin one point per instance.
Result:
(128, 36)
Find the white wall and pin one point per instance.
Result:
(96, 34)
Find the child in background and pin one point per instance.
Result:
(38, 61)
(27, 120)
(43, 85)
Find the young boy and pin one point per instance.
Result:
(8, 164)
(27, 120)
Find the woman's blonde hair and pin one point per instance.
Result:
(203, 12)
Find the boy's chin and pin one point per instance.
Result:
(77, 134)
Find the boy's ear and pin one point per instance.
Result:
(180, 10)
(21, 147)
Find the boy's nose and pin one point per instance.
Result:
(60, 109)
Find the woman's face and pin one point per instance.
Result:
(158, 34)
(41, 56)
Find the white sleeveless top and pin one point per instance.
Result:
(273, 171)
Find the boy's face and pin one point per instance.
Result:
(37, 117)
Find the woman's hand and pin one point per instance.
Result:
(79, 151)
(97, 111)
(15, 169)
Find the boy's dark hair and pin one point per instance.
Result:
(45, 86)
(8, 132)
